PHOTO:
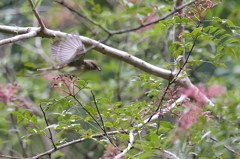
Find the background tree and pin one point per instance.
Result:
(168, 87)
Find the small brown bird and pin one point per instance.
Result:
(71, 52)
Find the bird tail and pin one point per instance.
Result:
(44, 69)
(50, 68)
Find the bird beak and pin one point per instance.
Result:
(99, 69)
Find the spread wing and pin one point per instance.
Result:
(68, 49)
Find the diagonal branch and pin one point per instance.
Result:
(27, 35)
(43, 28)
(104, 49)
(130, 145)
(155, 21)
(178, 30)
(49, 130)
(152, 118)
(104, 128)
(109, 51)
(49, 152)
(83, 16)
(111, 32)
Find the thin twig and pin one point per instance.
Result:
(49, 152)
(50, 132)
(178, 30)
(11, 157)
(83, 16)
(162, 98)
(130, 145)
(225, 146)
(172, 155)
(43, 28)
(71, 143)
(74, 97)
(154, 117)
(19, 137)
(112, 32)
(99, 113)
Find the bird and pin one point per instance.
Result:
(70, 51)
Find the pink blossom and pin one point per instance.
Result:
(216, 90)
(111, 152)
(7, 93)
(66, 83)
(189, 118)
(148, 19)
(198, 95)
(10, 94)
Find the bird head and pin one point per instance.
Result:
(91, 65)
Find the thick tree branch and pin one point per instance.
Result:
(27, 35)
(104, 49)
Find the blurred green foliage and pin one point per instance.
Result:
(125, 95)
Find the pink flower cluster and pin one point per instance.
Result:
(111, 152)
(194, 107)
(199, 10)
(66, 83)
(9, 94)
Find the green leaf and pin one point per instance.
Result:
(207, 28)
(188, 45)
(224, 36)
(185, 35)
(154, 140)
(177, 19)
(196, 32)
(34, 119)
(148, 9)
(219, 48)
(220, 65)
(117, 104)
(166, 124)
(218, 56)
(178, 52)
(216, 41)
(195, 62)
(230, 23)
(37, 3)
(116, 122)
(174, 45)
(27, 115)
(31, 130)
(230, 50)
(217, 19)
(103, 100)
(91, 2)
(219, 32)
(211, 30)
(172, 48)
(231, 41)
(108, 125)
(82, 83)
(97, 8)
(89, 132)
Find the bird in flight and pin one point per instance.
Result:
(70, 52)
